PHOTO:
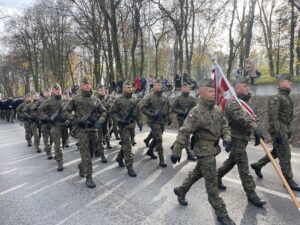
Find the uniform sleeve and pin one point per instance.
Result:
(68, 109)
(26, 111)
(42, 111)
(226, 134)
(175, 107)
(114, 111)
(234, 111)
(145, 107)
(273, 111)
(103, 113)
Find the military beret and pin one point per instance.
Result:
(185, 84)
(47, 89)
(57, 86)
(100, 86)
(127, 82)
(36, 93)
(284, 76)
(84, 80)
(241, 80)
(206, 83)
(157, 81)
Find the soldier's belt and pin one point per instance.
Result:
(208, 142)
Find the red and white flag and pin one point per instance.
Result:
(225, 91)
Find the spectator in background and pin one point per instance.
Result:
(177, 80)
(137, 84)
(143, 84)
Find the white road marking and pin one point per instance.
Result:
(8, 171)
(12, 189)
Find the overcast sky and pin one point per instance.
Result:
(14, 4)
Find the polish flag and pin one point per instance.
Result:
(225, 91)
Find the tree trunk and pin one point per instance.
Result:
(298, 54)
(142, 53)
(248, 36)
(292, 40)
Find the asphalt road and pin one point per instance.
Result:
(33, 192)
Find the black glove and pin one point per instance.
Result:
(278, 140)
(123, 122)
(227, 145)
(258, 134)
(175, 159)
(98, 124)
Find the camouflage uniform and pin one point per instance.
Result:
(181, 106)
(123, 105)
(280, 116)
(81, 104)
(157, 109)
(30, 113)
(241, 125)
(26, 122)
(112, 123)
(48, 108)
(208, 124)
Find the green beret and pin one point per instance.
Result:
(241, 80)
(284, 76)
(84, 80)
(157, 81)
(127, 82)
(185, 84)
(47, 89)
(206, 83)
(100, 86)
(57, 86)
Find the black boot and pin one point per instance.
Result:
(89, 182)
(49, 155)
(180, 196)
(103, 159)
(162, 162)
(120, 161)
(29, 143)
(221, 186)
(81, 174)
(38, 150)
(133, 143)
(257, 170)
(146, 141)
(191, 157)
(151, 154)
(97, 153)
(108, 145)
(226, 220)
(294, 186)
(131, 172)
(257, 201)
(60, 166)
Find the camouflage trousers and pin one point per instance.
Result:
(157, 132)
(102, 134)
(283, 152)
(34, 126)
(87, 142)
(28, 133)
(125, 152)
(113, 126)
(238, 156)
(45, 129)
(206, 168)
(59, 135)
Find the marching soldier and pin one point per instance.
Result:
(113, 125)
(51, 112)
(280, 116)
(241, 125)
(45, 125)
(89, 114)
(207, 122)
(126, 113)
(181, 106)
(26, 122)
(30, 113)
(157, 109)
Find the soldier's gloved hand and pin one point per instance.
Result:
(258, 134)
(98, 124)
(278, 139)
(123, 122)
(140, 126)
(227, 145)
(175, 159)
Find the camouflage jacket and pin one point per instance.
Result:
(21, 108)
(182, 105)
(208, 124)
(121, 108)
(104, 100)
(81, 104)
(29, 112)
(280, 113)
(50, 107)
(156, 103)
(240, 123)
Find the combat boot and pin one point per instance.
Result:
(89, 182)
(151, 153)
(60, 166)
(146, 141)
(257, 170)
(103, 158)
(191, 157)
(226, 220)
(38, 150)
(180, 196)
(221, 186)
(108, 145)
(97, 153)
(120, 161)
(162, 162)
(255, 200)
(49, 155)
(81, 174)
(131, 172)
(133, 143)
(29, 143)
(294, 186)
